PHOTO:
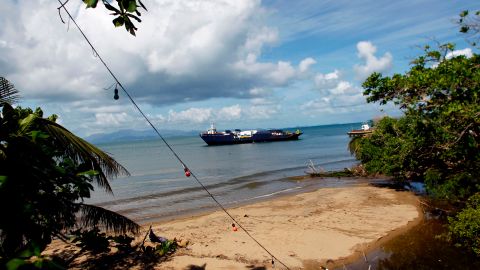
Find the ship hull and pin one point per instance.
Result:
(226, 139)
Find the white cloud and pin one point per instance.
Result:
(327, 81)
(260, 92)
(366, 51)
(230, 113)
(256, 40)
(263, 101)
(344, 88)
(98, 109)
(184, 51)
(192, 115)
(269, 73)
(111, 119)
(467, 52)
(305, 64)
(335, 104)
(263, 111)
(205, 115)
(336, 95)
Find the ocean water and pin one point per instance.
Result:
(158, 189)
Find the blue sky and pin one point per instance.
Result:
(240, 64)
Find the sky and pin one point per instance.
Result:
(239, 64)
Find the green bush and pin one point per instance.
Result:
(464, 228)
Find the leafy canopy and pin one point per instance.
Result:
(45, 173)
(465, 226)
(437, 139)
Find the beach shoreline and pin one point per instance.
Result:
(303, 184)
(386, 214)
(327, 227)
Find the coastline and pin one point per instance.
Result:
(326, 227)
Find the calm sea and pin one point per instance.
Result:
(158, 189)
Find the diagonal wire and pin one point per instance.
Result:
(163, 139)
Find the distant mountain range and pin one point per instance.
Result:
(136, 135)
(127, 135)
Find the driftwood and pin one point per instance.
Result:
(313, 171)
(145, 238)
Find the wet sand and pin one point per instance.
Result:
(327, 227)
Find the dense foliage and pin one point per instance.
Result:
(45, 173)
(437, 140)
(465, 226)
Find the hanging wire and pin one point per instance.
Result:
(163, 139)
(62, 5)
(110, 87)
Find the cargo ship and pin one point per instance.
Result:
(237, 136)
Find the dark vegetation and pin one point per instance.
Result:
(437, 140)
(45, 174)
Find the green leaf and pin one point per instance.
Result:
(15, 264)
(132, 6)
(88, 173)
(119, 21)
(3, 179)
(37, 134)
(91, 3)
(26, 123)
(111, 8)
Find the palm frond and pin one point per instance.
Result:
(8, 93)
(92, 216)
(82, 151)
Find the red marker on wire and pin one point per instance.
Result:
(187, 171)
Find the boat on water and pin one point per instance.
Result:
(237, 136)
(366, 129)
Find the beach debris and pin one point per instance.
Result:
(183, 243)
(311, 166)
(156, 239)
(314, 171)
(245, 215)
(166, 247)
(144, 238)
(234, 228)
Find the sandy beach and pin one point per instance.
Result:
(328, 227)
(325, 227)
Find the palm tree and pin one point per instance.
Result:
(8, 93)
(45, 173)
